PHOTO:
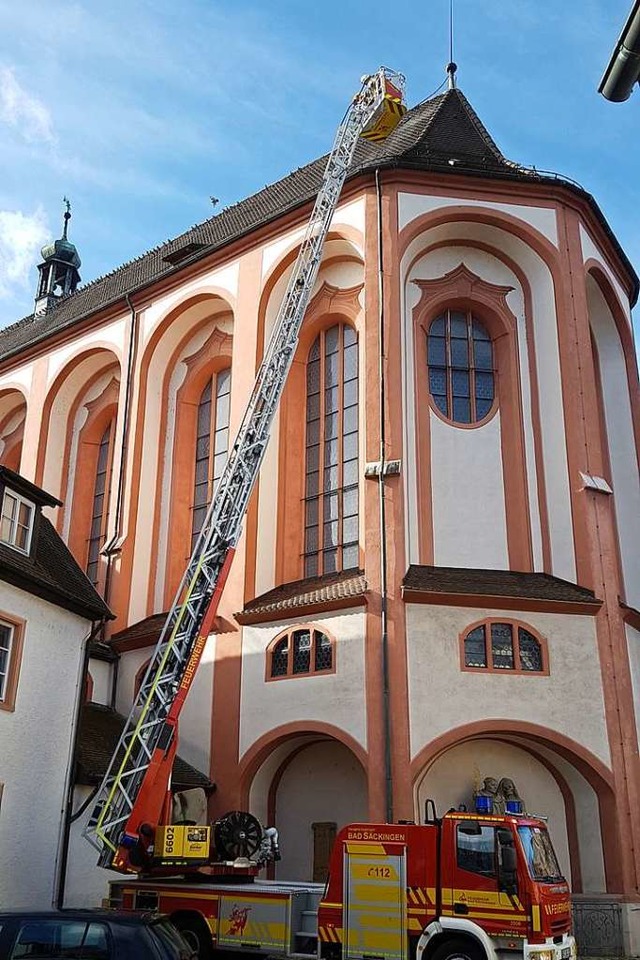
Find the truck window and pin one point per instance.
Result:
(476, 852)
(541, 857)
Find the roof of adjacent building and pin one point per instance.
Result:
(507, 584)
(442, 134)
(309, 596)
(49, 570)
(99, 733)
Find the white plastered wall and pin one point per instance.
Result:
(546, 348)
(620, 438)
(633, 646)
(101, 674)
(335, 699)
(35, 748)
(569, 700)
(86, 883)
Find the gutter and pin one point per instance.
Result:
(623, 70)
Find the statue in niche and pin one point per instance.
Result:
(499, 791)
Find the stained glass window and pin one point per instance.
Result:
(212, 445)
(331, 468)
(301, 652)
(100, 509)
(460, 362)
(500, 645)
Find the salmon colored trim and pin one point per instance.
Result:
(630, 616)
(588, 765)
(329, 306)
(15, 663)
(496, 602)
(312, 672)
(393, 488)
(88, 687)
(571, 822)
(213, 357)
(325, 606)
(12, 450)
(514, 624)
(596, 526)
(463, 289)
(258, 752)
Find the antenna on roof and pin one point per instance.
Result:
(451, 66)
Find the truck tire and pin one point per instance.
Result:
(461, 948)
(196, 932)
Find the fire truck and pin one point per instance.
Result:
(467, 886)
(474, 886)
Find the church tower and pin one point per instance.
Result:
(58, 271)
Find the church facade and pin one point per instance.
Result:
(438, 586)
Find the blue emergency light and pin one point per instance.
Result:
(484, 805)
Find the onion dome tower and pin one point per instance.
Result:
(58, 271)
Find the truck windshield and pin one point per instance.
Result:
(541, 857)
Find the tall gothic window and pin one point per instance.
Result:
(212, 445)
(460, 358)
(331, 479)
(100, 510)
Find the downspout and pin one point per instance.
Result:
(114, 546)
(384, 619)
(62, 859)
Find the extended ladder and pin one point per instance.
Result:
(148, 740)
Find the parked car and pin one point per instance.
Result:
(90, 935)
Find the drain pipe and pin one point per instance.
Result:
(384, 618)
(114, 545)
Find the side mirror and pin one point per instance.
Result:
(508, 862)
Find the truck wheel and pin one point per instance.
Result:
(196, 932)
(461, 949)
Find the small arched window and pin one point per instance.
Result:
(502, 645)
(460, 359)
(300, 652)
(212, 445)
(100, 509)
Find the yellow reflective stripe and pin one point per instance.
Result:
(376, 849)
(535, 917)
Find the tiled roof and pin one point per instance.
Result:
(431, 135)
(100, 730)
(331, 591)
(495, 583)
(51, 572)
(147, 629)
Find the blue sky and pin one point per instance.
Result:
(140, 110)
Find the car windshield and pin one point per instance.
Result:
(541, 857)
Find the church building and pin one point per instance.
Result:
(437, 590)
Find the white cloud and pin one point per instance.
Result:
(21, 235)
(20, 110)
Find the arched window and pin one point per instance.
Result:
(331, 477)
(300, 652)
(100, 508)
(460, 359)
(212, 445)
(502, 645)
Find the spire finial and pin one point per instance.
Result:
(67, 216)
(451, 66)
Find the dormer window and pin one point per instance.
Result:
(16, 525)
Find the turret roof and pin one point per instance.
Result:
(442, 134)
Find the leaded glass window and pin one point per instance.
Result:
(212, 445)
(301, 652)
(500, 645)
(100, 506)
(460, 361)
(331, 468)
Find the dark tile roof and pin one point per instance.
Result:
(51, 572)
(100, 730)
(430, 136)
(333, 590)
(495, 583)
(21, 485)
(147, 629)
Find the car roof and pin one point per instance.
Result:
(118, 916)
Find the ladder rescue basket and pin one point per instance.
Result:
(387, 116)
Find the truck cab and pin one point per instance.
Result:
(463, 886)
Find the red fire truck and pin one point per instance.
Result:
(464, 887)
